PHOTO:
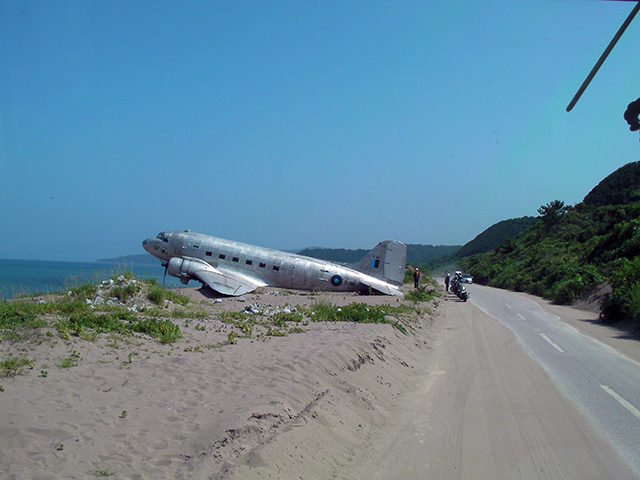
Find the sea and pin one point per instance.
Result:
(25, 277)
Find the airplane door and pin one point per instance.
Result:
(299, 273)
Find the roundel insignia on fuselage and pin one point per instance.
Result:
(336, 280)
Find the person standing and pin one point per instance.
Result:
(447, 279)
(416, 278)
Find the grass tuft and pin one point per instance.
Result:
(422, 295)
(12, 366)
(362, 313)
(163, 330)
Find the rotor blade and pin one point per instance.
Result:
(603, 57)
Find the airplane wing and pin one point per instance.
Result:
(381, 287)
(222, 281)
(226, 282)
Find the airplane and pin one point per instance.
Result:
(233, 268)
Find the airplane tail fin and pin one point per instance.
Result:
(387, 260)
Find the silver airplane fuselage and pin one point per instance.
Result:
(235, 268)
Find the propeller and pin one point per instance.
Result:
(603, 57)
(166, 267)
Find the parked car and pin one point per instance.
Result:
(466, 278)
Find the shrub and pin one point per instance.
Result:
(156, 294)
(19, 315)
(632, 300)
(279, 318)
(84, 291)
(163, 330)
(99, 322)
(422, 295)
(360, 312)
(12, 366)
(124, 293)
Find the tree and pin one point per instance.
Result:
(552, 210)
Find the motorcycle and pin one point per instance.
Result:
(462, 293)
(457, 287)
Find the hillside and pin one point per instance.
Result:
(493, 236)
(486, 241)
(620, 188)
(576, 250)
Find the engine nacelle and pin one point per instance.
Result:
(183, 268)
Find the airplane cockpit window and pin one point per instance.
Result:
(163, 236)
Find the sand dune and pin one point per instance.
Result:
(297, 406)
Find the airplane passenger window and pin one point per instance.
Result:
(208, 253)
(222, 256)
(236, 259)
(249, 262)
(263, 265)
(276, 268)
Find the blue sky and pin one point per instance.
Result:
(289, 124)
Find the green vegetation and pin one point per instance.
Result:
(14, 315)
(486, 241)
(493, 236)
(422, 295)
(74, 314)
(362, 313)
(12, 366)
(575, 251)
(163, 330)
(622, 187)
(121, 309)
(157, 294)
(103, 473)
(552, 211)
(71, 361)
(124, 293)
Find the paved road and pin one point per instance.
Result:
(509, 392)
(601, 381)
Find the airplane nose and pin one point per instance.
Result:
(147, 245)
(155, 247)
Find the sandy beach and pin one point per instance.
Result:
(129, 407)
